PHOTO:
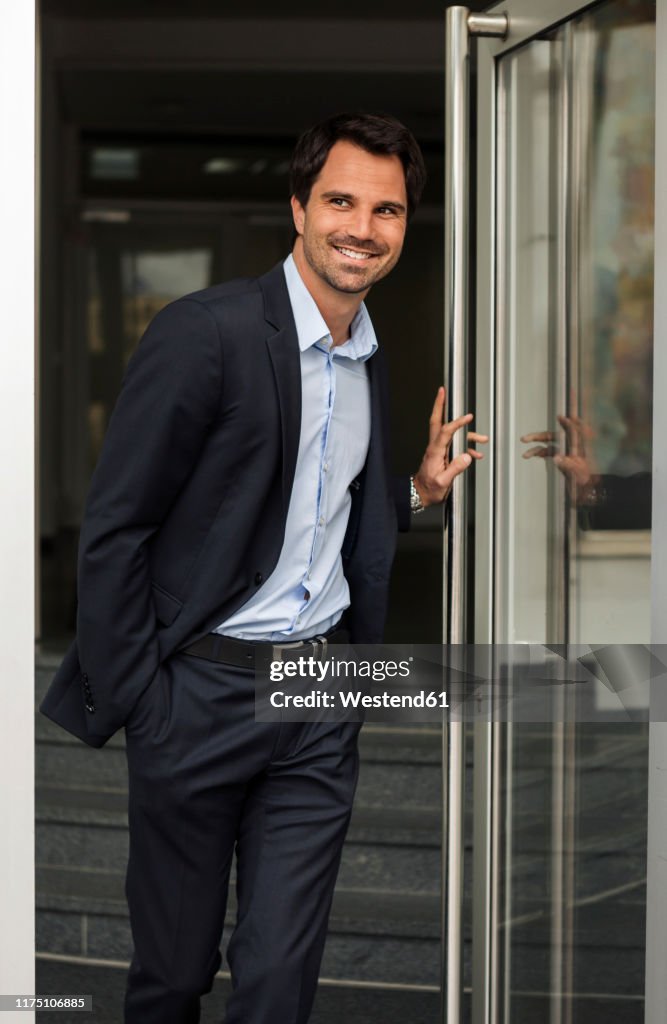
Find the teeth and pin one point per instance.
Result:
(353, 254)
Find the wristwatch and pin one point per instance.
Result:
(594, 495)
(415, 501)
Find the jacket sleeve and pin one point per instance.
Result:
(169, 399)
(401, 491)
(625, 504)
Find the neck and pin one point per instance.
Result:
(338, 309)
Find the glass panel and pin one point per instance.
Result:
(527, 602)
(119, 274)
(149, 279)
(612, 343)
(576, 123)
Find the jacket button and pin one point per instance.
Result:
(258, 579)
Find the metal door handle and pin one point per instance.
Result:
(460, 25)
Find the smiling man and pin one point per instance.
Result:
(349, 240)
(241, 503)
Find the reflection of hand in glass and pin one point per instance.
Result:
(577, 466)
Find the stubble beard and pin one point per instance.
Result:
(321, 261)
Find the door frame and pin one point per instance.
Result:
(528, 19)
(18, 61)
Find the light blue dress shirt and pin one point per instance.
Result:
(307, 592)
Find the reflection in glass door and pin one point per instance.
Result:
(564, 372)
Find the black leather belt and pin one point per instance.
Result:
(257, 653)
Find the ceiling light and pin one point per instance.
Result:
(114, 164)
(222, 165)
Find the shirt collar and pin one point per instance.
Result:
(311, 328)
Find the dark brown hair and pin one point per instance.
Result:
(376, 133)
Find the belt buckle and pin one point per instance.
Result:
(318, 647)
(277, 649)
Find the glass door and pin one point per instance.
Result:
(563, 357)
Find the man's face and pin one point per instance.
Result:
(353, 225)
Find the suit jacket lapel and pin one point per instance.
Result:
(283, 347)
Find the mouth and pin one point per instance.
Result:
(358, 255)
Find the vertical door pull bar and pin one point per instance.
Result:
(460, 25)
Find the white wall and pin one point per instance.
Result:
(17, 301)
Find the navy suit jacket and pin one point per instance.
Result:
(186, 512)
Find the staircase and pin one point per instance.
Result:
(382, 960)
(382, 956)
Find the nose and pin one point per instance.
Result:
(360, 223)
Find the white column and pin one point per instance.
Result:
(17, 357)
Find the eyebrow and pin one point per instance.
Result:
(334, 194)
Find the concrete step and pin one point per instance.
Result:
(349, 1002)
(373, 935)
(614, 918)
(599, 842)
(369, 865)
(395, 764)
(532, 747)
(611, 800)
(335, 1002)
(399, 825)
(385, 919)
(377, 933)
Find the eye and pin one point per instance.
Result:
(339, 201)
(390, 211)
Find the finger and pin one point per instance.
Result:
(573, 428)
(477, 438)
(475, 454)
(540, 452)
(540, 435)
(435, 421)
(456, 466)
(573, 419)
(568, 426)
(444, 437)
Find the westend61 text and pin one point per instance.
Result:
(356, 699)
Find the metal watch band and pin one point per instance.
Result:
(415, 501)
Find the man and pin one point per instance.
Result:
(242, 501)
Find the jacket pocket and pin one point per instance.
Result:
(167, 607)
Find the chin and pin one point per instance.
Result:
(350, 287)
(349, 281)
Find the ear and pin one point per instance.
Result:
(298, 215)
